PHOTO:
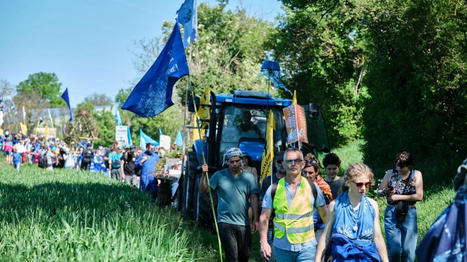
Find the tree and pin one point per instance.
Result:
(98, 100)
(320, 48)
(7, 105)
(226, 57)
(417, 78)
(83, 126)
(45, 84)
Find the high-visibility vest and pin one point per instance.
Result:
(295, 221)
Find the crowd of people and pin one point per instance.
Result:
(129, 164)
(302, 215)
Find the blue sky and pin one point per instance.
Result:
(88, 44)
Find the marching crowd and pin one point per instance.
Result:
(300, 214)
(130, 164)
(305, 217)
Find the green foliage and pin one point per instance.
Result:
(80, 216)
(98, 100)
(45, 84)
(320, 49)
(229, 51)
(106, 128)
(417, 77)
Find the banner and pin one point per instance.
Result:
(121, 135)
(165, 142)
(187, 15)
(179, 139)
(67, 101)
(153, 93)
(144, 139)
(268, 154)
(295, 123)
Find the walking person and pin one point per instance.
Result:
(87, 156)
(311, 172)
(128, 162)
(292, 202)
(147, 161)
(353, 230)
(234, 188)
(115, 158)
(403, 187)
(280, 173)
(16, 159)
(332, 164)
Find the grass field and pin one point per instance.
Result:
(79, 216)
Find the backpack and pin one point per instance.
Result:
(87, 154)
(43, 160)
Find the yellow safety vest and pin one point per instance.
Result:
(295, 221)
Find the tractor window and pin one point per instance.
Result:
(242, 123)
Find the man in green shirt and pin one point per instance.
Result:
(236, 191)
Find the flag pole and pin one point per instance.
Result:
(206, 173)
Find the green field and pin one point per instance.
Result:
(79, 216)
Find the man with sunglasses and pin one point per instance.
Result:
(280, 173)
(234, 188)
(292, 203)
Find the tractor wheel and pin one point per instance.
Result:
(189, 184)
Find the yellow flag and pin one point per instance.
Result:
(24, 129)
(203, 112)
(46, 133)
(195, 135)
(268, 154)
(294, 100)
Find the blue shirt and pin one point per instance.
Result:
(354, 224)
(16, 157)
(283, 243)
(148, 167)
(233, 194)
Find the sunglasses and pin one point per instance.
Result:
(292, 161)
(360, 185)
(310, 162)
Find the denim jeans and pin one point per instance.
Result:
(270, 242)
(306, 254)
(401, 237)
(236, 241)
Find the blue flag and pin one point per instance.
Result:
(179, 139)
(272, 70)
(117, 117)
(67, 101)
(188, 17)
(153, 93)
(144, 139)
(129, 136)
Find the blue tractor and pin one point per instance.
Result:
(239, 120)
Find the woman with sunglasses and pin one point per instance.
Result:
(403, 187)
(353, 229)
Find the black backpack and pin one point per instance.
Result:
(87, 154)
(42, 160)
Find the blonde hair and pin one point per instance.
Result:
(358, 169)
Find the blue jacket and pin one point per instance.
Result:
(148, 167)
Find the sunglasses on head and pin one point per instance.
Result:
(360, 185)
(310, 162)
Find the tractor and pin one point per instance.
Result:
(239, 120)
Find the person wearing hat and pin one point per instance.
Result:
(234, 188)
